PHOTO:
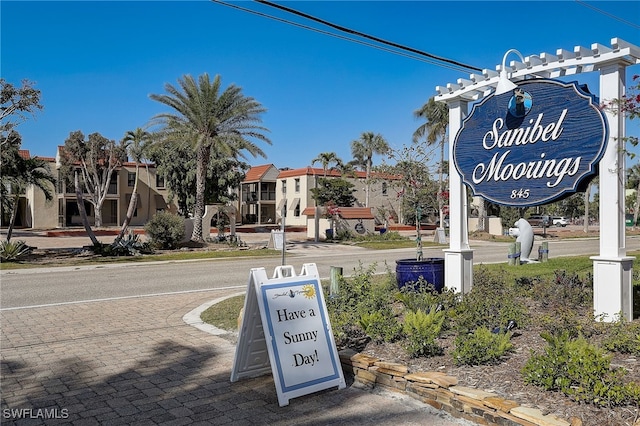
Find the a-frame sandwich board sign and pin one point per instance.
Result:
(286, 328)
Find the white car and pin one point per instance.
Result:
(560, 221)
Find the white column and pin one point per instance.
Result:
(459, 257)
(612, 269)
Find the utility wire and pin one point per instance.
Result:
(423, 56)
(379, 40)
(610, 15)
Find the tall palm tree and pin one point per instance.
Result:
(135, 142)
(326, 159)
(434, 130)
(363, 151)
(29, 171)
(218, 121)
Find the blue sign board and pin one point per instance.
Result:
(532, 145)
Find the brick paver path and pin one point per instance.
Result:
(135, 361)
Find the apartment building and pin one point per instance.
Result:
(294, 196)
(35, 212)
(266, 195)
(152, 196)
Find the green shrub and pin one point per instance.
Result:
(165, 230)
(381, 326)
(490, 303)
(387, 236)
(421, 330)
(568, 290)
(481, 347)
(580, 370)
(11, 251)
(623, 337)
(357, 299)
(571, 321)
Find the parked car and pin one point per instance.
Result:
(559, 221)
(539, 220)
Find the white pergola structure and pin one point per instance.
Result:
(612, 268)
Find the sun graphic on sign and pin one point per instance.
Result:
(309, 291)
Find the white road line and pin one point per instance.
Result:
(108, 299)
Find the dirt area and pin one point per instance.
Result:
(505, 378)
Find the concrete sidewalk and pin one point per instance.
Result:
(135, 361)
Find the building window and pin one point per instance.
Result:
(159, 181)
(284, 186)
(131, 179)
(113, 184)
(384, 189)
(297, 181)
(296, 211)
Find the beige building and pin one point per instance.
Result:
(151, 191)
(293, 194)
(263, 197)
(35, 212)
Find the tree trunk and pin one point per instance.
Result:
(133, 202)
(368, 185)
(440, 179)
(586, 208)
(201, 173)
(83, 212)
(482, 215)
(12, 220)
(636, 208)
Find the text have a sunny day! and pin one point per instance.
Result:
(292, 338)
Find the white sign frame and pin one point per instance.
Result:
(299, 341)
(276, 240)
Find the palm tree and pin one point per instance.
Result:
(434, 129)
(135, 142)
(326, 159)
(363, 151)
(218, 121)
(29, 171)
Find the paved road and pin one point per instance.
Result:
(37, 287)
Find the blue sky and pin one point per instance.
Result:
(96, 63)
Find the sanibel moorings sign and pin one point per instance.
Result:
(533, 145)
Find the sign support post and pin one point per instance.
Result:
(458, 259)
(612, 269)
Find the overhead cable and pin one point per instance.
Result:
(610, 15)
(418, 55)
(358, 33)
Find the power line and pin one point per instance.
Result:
(358, 33)
(610, 15)
(422, 56)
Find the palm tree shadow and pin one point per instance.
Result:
(172, 383)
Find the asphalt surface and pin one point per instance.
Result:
(147, 360)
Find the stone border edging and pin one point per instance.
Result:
(443, 393)
(434, 388)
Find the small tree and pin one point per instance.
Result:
(136, 143)
(336, 191)
(96, 158)
(415, 187)
(15, 104)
